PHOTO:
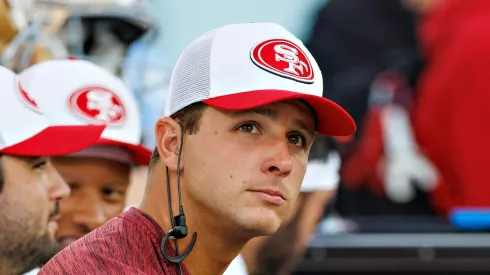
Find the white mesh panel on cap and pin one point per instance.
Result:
(190, 81)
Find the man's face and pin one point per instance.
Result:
(98, 192)
(247, 167)
(28, 211)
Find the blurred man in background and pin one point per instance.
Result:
(368, 53)
(98, 176)
(102, 32)
(451, 111)
(32, 32)
(30, 186)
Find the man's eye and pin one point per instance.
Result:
(113, 194)
(248, 128)
(296, 139)
(40, 164)
(108, 192)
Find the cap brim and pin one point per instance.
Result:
(57, 140)
(140, 154)
(332, 120)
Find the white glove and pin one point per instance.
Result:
(405, 164)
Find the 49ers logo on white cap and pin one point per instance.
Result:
(26, 98)
(98, 104)
(284, 58)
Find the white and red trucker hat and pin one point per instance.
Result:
(244, 66)
(77, 90)
(28, 131)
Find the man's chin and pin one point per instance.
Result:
(263, 226)
(42, 250)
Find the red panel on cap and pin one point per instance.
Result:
(57, 140)
(332, 119)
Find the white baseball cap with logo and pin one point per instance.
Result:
(77, 90)
(244, 66)
(28, 131)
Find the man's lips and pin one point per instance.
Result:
(272, 196)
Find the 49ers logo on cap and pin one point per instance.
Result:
(98, 104)
(284, 58)
(26, 98)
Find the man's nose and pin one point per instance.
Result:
(58, 188)
(279, 160)
(88, 215)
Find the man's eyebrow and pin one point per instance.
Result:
(257, 111)
(303, 126)
(32, 160)
(119, 183)
(272, 114)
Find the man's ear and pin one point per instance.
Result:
(167, 136)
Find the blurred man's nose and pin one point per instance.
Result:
(58, 188)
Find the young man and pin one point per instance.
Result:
(245, 101)
(30, 187)
(98, 176)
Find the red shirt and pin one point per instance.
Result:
(452, 111)
(127, 244)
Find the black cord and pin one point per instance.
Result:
(169, 201)
(171, 218)
(181, 208)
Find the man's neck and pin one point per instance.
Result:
(212, 253)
